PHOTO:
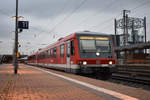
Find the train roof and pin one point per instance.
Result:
(90, 32)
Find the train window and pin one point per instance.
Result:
(37, 56)
(52, 52)
(62, 50)
(68, 48)
(43, 56)
(55, 52)
(40, 55)
(72, 48)
(87, 44)
(33, 57)
(102, 43)
(103, 46)
(49, 53)
(46, 54)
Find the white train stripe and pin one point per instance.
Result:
(73, 66)
(100, 89)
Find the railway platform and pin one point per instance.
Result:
(34, 83)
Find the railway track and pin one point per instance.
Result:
(137, 79)
(136, 82)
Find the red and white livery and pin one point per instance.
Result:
(81, 52)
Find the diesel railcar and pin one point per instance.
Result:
(81, 52)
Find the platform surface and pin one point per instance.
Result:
(34, 84)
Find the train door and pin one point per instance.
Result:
(68, 65)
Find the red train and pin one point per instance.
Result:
(81, 52)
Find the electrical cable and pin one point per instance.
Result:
(61, 10)
(145, 3)
(94, 15)
(66, 17)
(4, 13)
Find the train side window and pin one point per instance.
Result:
(55, 52)
(49, 53)
(62, 50)
(40, 55)
(72, 48)
(43, 55)
(52, 52)
(68, 48)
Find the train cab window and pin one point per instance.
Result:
(72, 48)
(103, 45)
(62, 50)
(68, 48)
(55, 52)
(87, 44)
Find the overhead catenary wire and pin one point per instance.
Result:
(98, 12)
(134, 12)
(105, 21)
(48, 22)
(58, 12)
(68, 16)
(4, 13)
(145, 3)
(140, 5)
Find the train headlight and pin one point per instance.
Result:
(84, 62)
(110, 62)
(97, 54)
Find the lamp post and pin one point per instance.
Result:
(16, 41)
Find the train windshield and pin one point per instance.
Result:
(87, 44)
(102, 45)
(94, 44)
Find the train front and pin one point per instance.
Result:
(96, 54)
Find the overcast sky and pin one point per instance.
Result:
(52, 19)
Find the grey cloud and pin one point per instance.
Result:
(45, 14)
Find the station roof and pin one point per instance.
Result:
(133, 47)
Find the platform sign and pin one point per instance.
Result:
(23, 24)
